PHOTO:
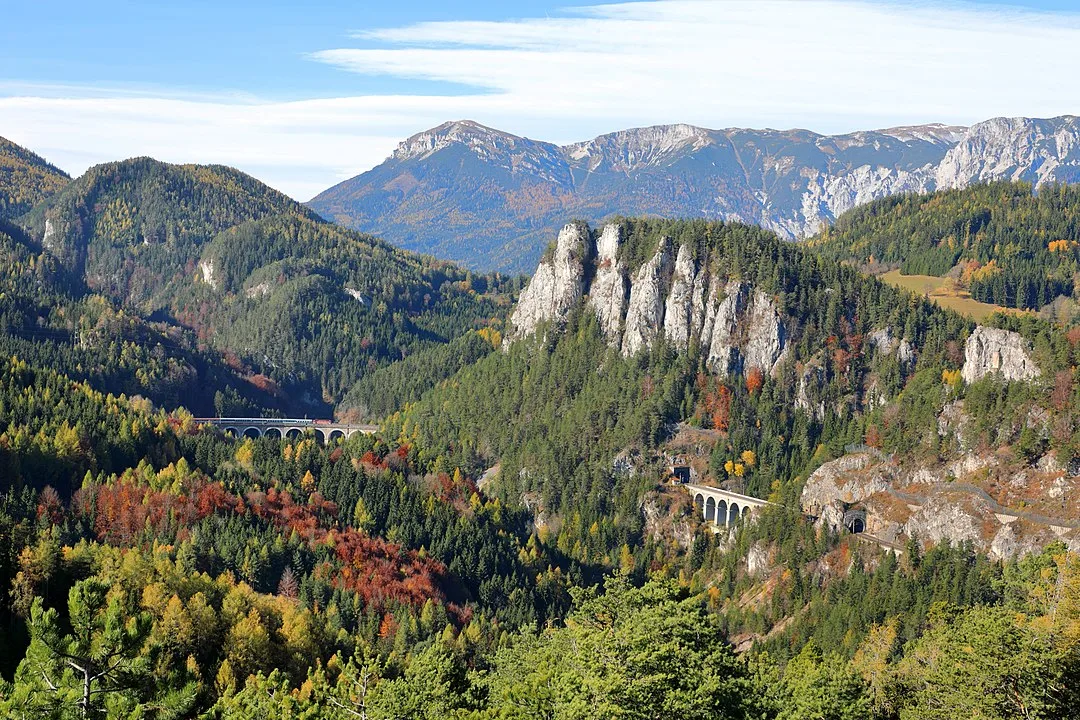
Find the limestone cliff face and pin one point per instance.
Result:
(645, 309)
(679, 308)
(845, 481)
(990, 350)
(947, 501)
(558, 284)
(808, 394)
(722, 323)
(673, 297)
(610, 288)
(1034, 150)
(765, 342)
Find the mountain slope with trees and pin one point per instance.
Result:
(507, 546)
(303, 307)
(25, 179)
(1003, 242)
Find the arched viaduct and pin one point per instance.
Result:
(325, 431)
(723, 507)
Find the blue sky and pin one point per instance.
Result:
(304, 95)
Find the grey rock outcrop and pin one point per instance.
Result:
(765, 337)
(673, 296)
(757, 560)
(722, 325)
(557, 285)
(609, 290)
(679, 308)
(847, 480)
(1033, 150)
(808, 391)
(884, 343)
(992, 350)
(956, 519)
(645, 310)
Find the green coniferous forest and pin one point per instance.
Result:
(1004, 242)
(507, 544)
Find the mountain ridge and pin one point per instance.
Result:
(26, 178)
(490, 199)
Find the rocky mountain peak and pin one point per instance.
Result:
(1027, 149)
(937, 133)
(482, 140)
(558, 284)
(633, 149)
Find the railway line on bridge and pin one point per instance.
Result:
(324, 430)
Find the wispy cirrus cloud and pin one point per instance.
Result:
(827, 65)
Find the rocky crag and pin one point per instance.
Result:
(1002, 507)
(672, 295)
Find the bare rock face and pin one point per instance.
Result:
(844, 481)
(679, 310)
(1033, 150)
(1006, 544)
(609, 290)
(948, 518)
(672, 297)
(206, 267)
(828, 196)
(884, 343)
(558, 284)
(990, 350)
(645, 311)
(953, 421)
(765, 334)
(757, 559)
(808, 392)
(60, 239)
(723, 323)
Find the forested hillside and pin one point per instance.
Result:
(25, 179)
(226, 579)
(302, 308)
(49, 318)
(556, 408)
(577, 430)
(268, 554)
(1004, 242)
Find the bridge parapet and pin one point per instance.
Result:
(723, 507)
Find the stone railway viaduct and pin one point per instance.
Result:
(723, 507)
(325, 430)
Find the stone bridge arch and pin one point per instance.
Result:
(723, 507)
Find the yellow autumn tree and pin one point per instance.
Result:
(245, 454)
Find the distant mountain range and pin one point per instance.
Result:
(492, 200)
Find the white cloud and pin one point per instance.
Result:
(830, 66)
